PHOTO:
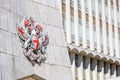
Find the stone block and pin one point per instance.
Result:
(65, 56)
(43, 70)
(51, 16)
(51, 54)
(51, 32)
(22, 67)
(28, 7)
(11, 22)
(35, 11)
(0, 18)
(63, 38)
(7, 69)
(43, 10)
(3, 19)
(13, 5)
(6, 4)
(8, 43)
(17, 47)
(44, 2)
(1, 3)
(68, 73)
(2, 41)
(14, 45)
(51, 3)
(37, 1)
(58, 19)
(21, 8)
(47, 72)
(58, 55)
(20, 53)
(56, 4)
(58, 38)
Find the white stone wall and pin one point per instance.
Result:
(13, 64)
(117, 78)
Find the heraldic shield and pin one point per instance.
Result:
(34, 40)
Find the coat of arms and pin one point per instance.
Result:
(34, 40)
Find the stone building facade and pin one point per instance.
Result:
(84, 39)
(13, 64)
(92, 30)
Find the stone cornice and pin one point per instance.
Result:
(93, 54)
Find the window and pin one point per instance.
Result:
(79, 2)
(72, 2)
(80, 30)
(118, 17)
(84, 67)
(106, 2)
(113, 41)
(105, 68)
(117, 2)
(110, 69)
(99, 6)
(76, 61)
(112, 2)
(101, 38)
(88, 33)
(72, 26)
(98, 69)
(108, 41)
(64, 23)
(93, 5)
(106, 8)
(112, 13)
(94, 36)
(117, 71)
(86, 3)
(63, 1)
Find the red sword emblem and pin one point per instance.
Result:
(37, 42)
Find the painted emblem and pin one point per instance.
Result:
(34, 40)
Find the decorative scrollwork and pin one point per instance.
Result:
(34, 40)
